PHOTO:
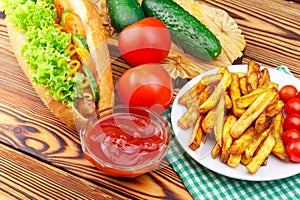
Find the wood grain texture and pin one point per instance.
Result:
(271, 29)
(40, 158)
(24, 177)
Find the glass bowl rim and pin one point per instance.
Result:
(156, 160)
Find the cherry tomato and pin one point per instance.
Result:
(287, 92)
(292, 121)
(147, 85)
(293, 150)
(61, 6)
(289, 135)
(146, 41)
(292, 106)
(73, 24)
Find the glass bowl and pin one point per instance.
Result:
(125, 141)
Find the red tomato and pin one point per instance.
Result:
(61, 6)
(146, 41)
(292, 121)
(287, 92)
(147, 85)
(73, 24)
(292, 106)
(289, 135)
(293, 150)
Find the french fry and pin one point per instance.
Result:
(197, 133)
(252, 76)
(235, 93)
(243, 85)
(208, 122)
(203, 139)
(191, 95)
(255, 109)
(271, 112)
(216, 151)
(279, 148)
(234, 160)
(191, 115)
(219, 120)
(228, 102)
(226, 137)
(240, 144)
(265, 162)
(262, 154)
(262, 122)
(200, 98)
(203, 96)
(239, 74)
(244, 160)
(211, 79)
(212, 100)
(215, 96)
(223, 70)
(272, 105)
(264, 77)
(246, 100)
(189, 118)
(253, 146)
(275, 85)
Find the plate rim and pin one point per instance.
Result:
(177, 129)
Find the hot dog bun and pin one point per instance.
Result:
(96, 36)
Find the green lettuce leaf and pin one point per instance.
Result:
(45, 53)
(44, 50)
(26, 13)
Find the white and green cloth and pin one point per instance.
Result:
(205, 184)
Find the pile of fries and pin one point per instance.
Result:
(242, 111)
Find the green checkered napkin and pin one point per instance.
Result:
(205, 184)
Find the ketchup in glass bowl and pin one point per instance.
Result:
(126, 141)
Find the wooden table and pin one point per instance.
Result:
(40, 158)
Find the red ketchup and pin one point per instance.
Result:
(123, 141)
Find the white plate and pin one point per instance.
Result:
(275, 169)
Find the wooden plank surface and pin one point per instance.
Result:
(271, 29)
(25, 177)
(41, 158)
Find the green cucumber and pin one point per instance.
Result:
(186, 30)
(63, 17)
(92, 81)
(79, 41)
(124, 13)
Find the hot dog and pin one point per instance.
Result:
(67, 60)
